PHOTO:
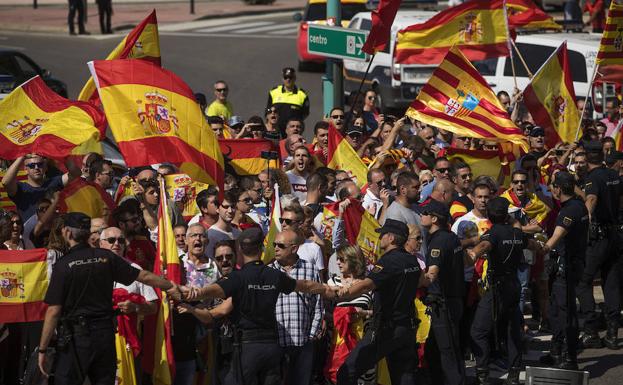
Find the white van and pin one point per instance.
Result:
(399, 84)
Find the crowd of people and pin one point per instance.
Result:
(480, 251)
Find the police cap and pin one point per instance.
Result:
(288, 72)
(537, 131)
(251, 236)
(497, 207)
(77, 220)
(593, 146)
(395, 227)
(436, 208)
(613, 157)
(564, 180)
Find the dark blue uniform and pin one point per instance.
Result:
(396, 276)
(573, 217)
(501, 300)
(446, 298)
(82, 283)
(602, 253)
(257, 355)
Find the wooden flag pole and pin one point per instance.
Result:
(530, 75)
(588, 96)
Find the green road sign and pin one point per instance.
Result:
(337, 42)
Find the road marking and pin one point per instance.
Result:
(284, 32)
(274, 27)
(227, 35)
(236, 26)
(176, 27)
(12, 47)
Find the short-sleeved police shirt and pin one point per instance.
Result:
(446, 252)
(27, 196)
(396, 276)
(82, 281)
(507, 244)
(606, 185)
(573, 217)
(254, 290)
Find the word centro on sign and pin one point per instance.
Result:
(318, 39)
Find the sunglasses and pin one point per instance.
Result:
(443, 170)
(112, 240)
(35, 165)
(354, 135)
(520, 181)
(280, 245)
(337, 116)
(489, 147)
(271, 111)
(467, 176)
(371, 97)
(419, 239)
(248, 201)
(221, 89)
(16, 222)
(287, 221)
(43, 209)
(220, 258)
(288, 77)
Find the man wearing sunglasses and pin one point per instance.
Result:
(289, 100)
(26, 194)
(223, 229)
(220, 106)
(139, 249)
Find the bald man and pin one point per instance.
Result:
(443, 192)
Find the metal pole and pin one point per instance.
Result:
(332, 80)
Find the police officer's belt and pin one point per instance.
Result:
(89, 321)
(257, 335)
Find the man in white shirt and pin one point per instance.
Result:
(376, 200)
(292, 217)
(223, 229)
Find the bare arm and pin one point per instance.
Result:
(391, 138)
(559, 233)
(211, 291)
(9, 180)
(479, 251)
(47, 217)
(591, 202)
(73, 172)
(432, 273)
(357, 289)
(52, 315)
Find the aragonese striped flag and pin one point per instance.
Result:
(458, 99)
(478, 27)
(611, 46)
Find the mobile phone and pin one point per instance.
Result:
(270, 155)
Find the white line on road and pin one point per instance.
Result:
(192, 34)
(175, 27)
(12, 47)
(275, 27)
(284, 32)
(234, 26)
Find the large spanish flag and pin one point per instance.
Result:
(342, 156)
(382, 20)
(245, 155)
(492, 163)
(458, 99)
(85, 197)
(143, 42)
(611, 46)
(477, 26)
(35, 119)
(23, 284)
(154, 117)
(550, 98)
(525, 15)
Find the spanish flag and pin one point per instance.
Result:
(617, 134)
(154, 117)
(525, 15)
(143, 42)
(458, 99)
(481, 162)
(127, 341)
(183, 191)
(23, 284)
(274, 228)
(550, 98)
(85, 197)
(535, 208)
(382, 20)
(5, 202)
(342, 156)
(35, 119)
(611, 46)
(478, 27)
(245, 155)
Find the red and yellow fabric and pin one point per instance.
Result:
(5, 202)
(611, 45)
(617, 134)
(154, 118)
(23, 284)
(245, 154)
(458, 99)
(143, 42)
(35, 119)
(478, 27)
(127, 342)
(85, 197)
(274, 228)
(525, 15)
(484, 163)
(342, 156)
(348, 330)
(536, 209)
(183, 191)
(382, 19)
(550, 98)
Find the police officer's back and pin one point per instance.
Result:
(80, 297)
(290, 100)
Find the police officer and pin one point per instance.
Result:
(394, 280)
(444, 260)
(254, 290)
(498, 308)
(289, 100)
(79, 297)
(572, 229)
(602, 190)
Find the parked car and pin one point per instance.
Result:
(16, 68)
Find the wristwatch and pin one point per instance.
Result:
(42, 351)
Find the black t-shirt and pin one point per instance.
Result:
(573, 217)
(27, 196)
(396, 276)
(446, 252)
(507, 244)
(82, 281)
(254, 290)
(606, 185)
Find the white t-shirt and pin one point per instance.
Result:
(137, 287)
(299, 185)
(215, 235)
(469, 226)
(312, 253)
(370, 200)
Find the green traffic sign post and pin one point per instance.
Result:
(336, 42)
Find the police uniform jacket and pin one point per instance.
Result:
(254, 290)
(507, 244)
(396, 276)
(606, 185)
(573, 217)
(82, 282)
(289, 104)
(446, 252)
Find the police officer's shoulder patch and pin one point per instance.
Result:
(435, 253)
(377, 268)
(567, 221)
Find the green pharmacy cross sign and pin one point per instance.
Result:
(337, 42)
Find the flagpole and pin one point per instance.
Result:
(361, 83)
(509, 44)
(588, 96)
(530, 75)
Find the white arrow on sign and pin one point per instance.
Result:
(359, 45)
